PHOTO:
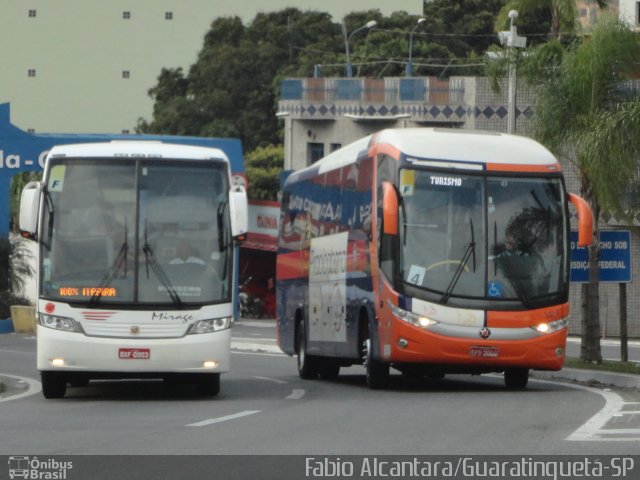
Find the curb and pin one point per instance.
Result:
(591, 377)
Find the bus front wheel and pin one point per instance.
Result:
(208, 384)
(516, 378)
(54, 384)
(377, 372)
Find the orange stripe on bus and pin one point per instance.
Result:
(385, 148)
(505, 167)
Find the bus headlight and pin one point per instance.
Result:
(551, 326)
(59, 323)
(210, 325)
(412, 318)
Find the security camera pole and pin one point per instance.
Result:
(511, 39)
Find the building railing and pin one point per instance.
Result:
(428, 90)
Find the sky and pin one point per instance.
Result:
(246, 9)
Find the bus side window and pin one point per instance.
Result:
(387, 244)
(386, 172)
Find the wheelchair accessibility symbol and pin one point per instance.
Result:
(495, 290)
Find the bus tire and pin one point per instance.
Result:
(329, 370)
(516, 378)
(377, 372)
(208, 384)
(54, 384)
(308, 365)
(78, 381)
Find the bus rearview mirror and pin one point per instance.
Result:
(238, 210)
(585, 220)
(29, 204)
(389, 209)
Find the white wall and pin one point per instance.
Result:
(79, 49)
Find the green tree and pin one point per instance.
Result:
(263, 168)
(232, 88)
(15, 268)
(583, 98)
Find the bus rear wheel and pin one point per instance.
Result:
(308, 365)
(516, 378)
(54, 384)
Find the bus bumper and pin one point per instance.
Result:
(75, 352)
(414, 345)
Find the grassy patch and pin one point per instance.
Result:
(606, 365)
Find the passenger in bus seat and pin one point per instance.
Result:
(185, 253)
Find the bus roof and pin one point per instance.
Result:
(467, 146)
(442, 144)
(137, 148)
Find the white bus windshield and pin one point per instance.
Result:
(149, 232)
(497, 238)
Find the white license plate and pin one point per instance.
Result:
(477, 351)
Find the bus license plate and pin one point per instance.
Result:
(490, 352)
(134, 353)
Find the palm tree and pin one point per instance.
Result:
(578, 113)
(15, 268)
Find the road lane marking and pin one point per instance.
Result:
(593, 430)
(239, 352)
(274, 380)
(297, 394)
(255, 347)
(2, 350)
(223, 419)
(33, 387)
(258, 324)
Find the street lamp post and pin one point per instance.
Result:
(409, 67)
(369, 25)
(511, 40)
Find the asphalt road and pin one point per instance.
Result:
(264, 408)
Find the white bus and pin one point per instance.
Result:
(137, 263)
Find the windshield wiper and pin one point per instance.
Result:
(468, 253)
(152, 261)
(113, 269)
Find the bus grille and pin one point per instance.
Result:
(132, 330)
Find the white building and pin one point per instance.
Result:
(630, 12)
(85, 66)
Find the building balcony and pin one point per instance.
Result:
(426, 100)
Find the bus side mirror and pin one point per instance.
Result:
(585, 220)
(29, 204)
(389, 209)
(238, 212)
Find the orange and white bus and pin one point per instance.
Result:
(432, 251)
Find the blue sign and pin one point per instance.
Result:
(615, 258)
